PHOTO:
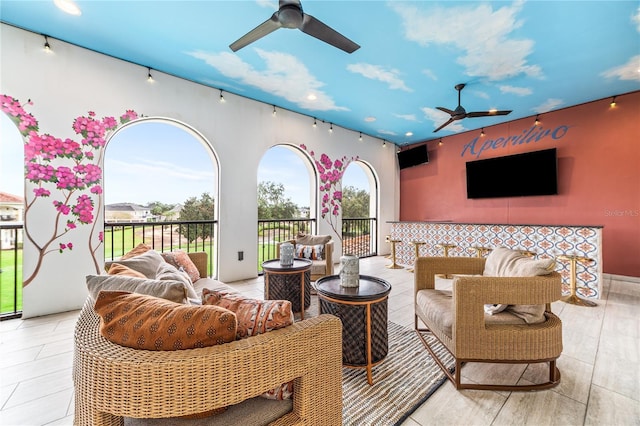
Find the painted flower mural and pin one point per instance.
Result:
(330, 173)
(66, 174)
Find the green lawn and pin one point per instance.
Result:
(7, 287)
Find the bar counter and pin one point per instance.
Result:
(543, 240)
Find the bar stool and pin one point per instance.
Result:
(387, 239)
(573, 297)
(446, 248)
(394, 265)
(481, 251)
(417, 245)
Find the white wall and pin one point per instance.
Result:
(72, 81)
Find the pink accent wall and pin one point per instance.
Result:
(598, 172)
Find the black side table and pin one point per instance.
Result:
(363, 311)
(292, 283)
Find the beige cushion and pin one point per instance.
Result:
(146, 263)
(145, 322)
(503, 262)
(318, 267)
(169, 290)
(312, 240)
(437, 308)
(168, 272)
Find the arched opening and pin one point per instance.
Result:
(286, 198)
(11, 217)
(160, 188)
(359, 210)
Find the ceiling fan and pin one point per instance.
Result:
(290, 15)
(459, 113)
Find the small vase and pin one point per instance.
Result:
(286, 254)
(349, 271)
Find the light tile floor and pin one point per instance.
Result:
(600, 366)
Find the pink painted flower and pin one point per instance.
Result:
(96, 189)
(101, 236)
(62, 208)
(71, 225)
(41, 192)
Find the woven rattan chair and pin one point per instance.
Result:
(319, 268)
(470, 338)
(112, 381)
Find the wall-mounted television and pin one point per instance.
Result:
(413, 157)
(527, 174)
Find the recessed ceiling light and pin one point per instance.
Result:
(369, 119)
(312, 96)
(68, 6)
(409, 134)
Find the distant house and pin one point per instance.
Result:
(11, 213)
(127, 212)
(173, 214)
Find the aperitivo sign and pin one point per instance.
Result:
(534, 134)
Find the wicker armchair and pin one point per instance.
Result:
(112, 381)
(461, 325)
(319, 268)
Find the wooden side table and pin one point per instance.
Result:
(292, 283)
(363, 312)
(573, 297)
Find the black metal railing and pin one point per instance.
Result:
(190, 236)
(359, 236)
(274, 231)
(10, 271)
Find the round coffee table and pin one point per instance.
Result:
(292, 283)
(363, 311)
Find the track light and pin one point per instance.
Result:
(613, 102)
(482, 133)
(537, 122)
(330, 127)
(384, 143)
(274, 111)
(315, 124)
(149, 76)
(47, 46)
(360, 138)
(440, 142)
(222, 100)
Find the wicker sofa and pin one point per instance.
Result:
(114, 382)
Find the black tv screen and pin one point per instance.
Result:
(531, 173)
(413, 157)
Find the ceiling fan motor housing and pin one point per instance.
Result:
(290, 16)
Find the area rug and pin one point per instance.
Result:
(404, 380)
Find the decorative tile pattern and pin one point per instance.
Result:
(544, 240)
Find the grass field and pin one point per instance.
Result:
(7, 287)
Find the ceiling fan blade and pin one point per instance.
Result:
(267, 27)
(449, 121)
(321, 31)
(448, 111)
(486, 113)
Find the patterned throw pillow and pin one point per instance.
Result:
(136, 251)
(255, 317)
(118, 269)
(145, 322)
(181, 259)
(315, 252)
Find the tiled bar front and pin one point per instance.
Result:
(544, 240)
